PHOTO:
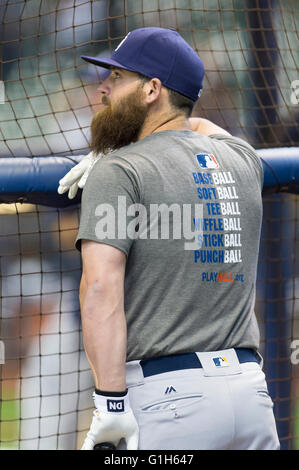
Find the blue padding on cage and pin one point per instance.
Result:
(35, 180)
(281, 169)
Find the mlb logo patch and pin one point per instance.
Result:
(207, 160)
(220, 361)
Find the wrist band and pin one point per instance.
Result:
(104, 393)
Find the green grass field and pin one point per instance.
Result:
(9, 424)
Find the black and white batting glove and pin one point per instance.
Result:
(77, 176)
(113, 420)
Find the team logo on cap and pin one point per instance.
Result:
(122, 41)
(207, 160)
(220, 361)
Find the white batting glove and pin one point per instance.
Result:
(113, 420)
(77, 176)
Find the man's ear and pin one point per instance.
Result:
(152, 90)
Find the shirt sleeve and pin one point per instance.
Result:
(245, 150)
(111, 188)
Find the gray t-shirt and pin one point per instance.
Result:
(182, 294)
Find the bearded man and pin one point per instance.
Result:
(169, 330)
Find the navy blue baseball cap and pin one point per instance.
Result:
(160, 53)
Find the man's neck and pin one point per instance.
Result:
(164, 123)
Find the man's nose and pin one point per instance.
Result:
(104, 88)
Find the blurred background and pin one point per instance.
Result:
(251, 56)
(249, 48)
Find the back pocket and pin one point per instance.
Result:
(170, 404)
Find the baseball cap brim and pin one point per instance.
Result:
(106, 63)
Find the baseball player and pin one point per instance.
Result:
(168, 316)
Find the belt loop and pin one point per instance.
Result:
(261, 363)
(134, 374)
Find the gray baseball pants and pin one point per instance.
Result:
(223, 405)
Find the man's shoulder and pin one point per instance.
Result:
(115, 167)
(232, 140)
(243, 150)
(237, 145)
(143, 146)
(131, 156)
(157, 142)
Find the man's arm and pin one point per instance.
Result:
(105, 337)
(205, 127)
(82, 290)
(102, 312)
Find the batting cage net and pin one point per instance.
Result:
(47, 99)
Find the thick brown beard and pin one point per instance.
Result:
(119, 124)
